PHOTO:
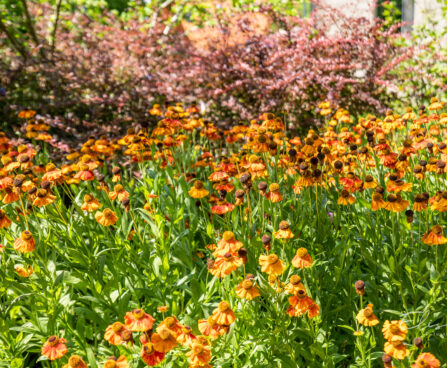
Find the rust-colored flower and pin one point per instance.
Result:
(54, 348)
(271, 264)
(25, 243)
(139, 320)
(302, 259)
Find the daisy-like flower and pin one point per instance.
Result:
(370, 182)
(395, 330)
(25, 243)
(313, 310)
(228, 244)
(434, 236)
(43, 198)
(247, 290)
(198, 191)
(199, 354)
(151, 356)
(54, 348)
(24, 271)
(426, 360)
(366, 316)
(271, 264)
(84, 173)
(106, 217)
(118, 192)
(345, 198)
(172, 324)
(113, 333)
(302, 259)
(294, 285)
(90, 203)
(5, 222)
(226, 264)
(114, 362)
(223, 315)
(209, 327)
(274, 194)
(139, 320)
(396, 349)
(75, 361)
(299, 304)
(284, 231)
(164, 340)
(186, 337)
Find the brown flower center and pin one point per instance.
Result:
(272, 259)
(223, 306)
(247, 284)
(117, 327)
(75, 361)
(26, 235)
(394, 329)
(53, 341)
(301, 252)
(138, 313)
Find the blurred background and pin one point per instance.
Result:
(98, 66)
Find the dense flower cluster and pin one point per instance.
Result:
(233, 179)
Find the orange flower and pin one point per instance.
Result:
(426, 360)
(113, 333)
(302, 259)
(150, 356)
(43, 198)
(228, 244)
(24, 272)
(139, 320)
(54, 348)
(284, 231)
(198, 191)
(369, 182)
(226, 264)
(223, 315)
(199, 354)
(377, 201)
(299, 304)
(218, 175)
(434, 236)
(294, 285)
(84, 173)
(396, 349)
(25, 243)
(313, 310)
(222, 207)
(395, 203)
(208, 327)
(172, 324)
(163, 340)
(395, 330)
(114, 362)
(246, 290)
(186, 337)
(345, 198)
(5, 222)
(271, 264)
(90, 203)
(274, 195)
(10, 196)
(366, 317)
(75, 361)
(118, 192)
(106, 217)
